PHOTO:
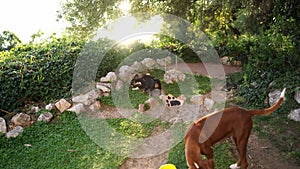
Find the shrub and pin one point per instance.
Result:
(38, 73)
(272, 63)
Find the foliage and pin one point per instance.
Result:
(37, 72)
(8, 40)
(86, 16)
(42, 72)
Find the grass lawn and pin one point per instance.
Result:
(64, 143)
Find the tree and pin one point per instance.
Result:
(8, 40)
(85, 16)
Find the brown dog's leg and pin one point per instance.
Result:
(242, 149)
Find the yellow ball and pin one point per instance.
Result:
(167, 166)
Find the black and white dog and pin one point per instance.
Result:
(146, 83)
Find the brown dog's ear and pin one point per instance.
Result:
(136, 77)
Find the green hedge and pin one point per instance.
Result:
(37, 72)
(43, 72)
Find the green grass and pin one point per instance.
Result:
(58, 145)
(65, 144)
(73, 141)
(223, 157)
(127, 98)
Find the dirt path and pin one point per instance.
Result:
(200, 68)
(261, 153)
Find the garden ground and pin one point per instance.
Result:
(262, 154)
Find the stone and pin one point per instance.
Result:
(49, 106)
(208, 103)
(297, 95)
(126, 73)
(87, 98)
(95, 106)
(105, 94)
(164, 61)
(152, 102)
(155, 92)
(20, 119)
(295, 115)
(15, 132)
(111, 76)
(62, 105)
(46, 117)
(137, 66)
(274, 97)
(198, 99)
(226, 60)
(77, 108)
(148, 62)
(3, 128)
(171, 76)
(34, 109)
(119, 84)
(236, 63)
(104, 79)
(141, 108)
(105, 87)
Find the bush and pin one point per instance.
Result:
(37, 72)
(272, 63)
(43, 72)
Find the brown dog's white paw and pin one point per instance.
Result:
(234, 166)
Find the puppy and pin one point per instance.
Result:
(146, 83)
(232, 122)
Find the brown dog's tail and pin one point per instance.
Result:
(269, 110)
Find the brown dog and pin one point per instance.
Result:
(232, 122)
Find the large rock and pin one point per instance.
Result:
(34, 109)
(164, 61)
(137, 66)
(208, 103)
(15, 132)
(49, 106)
(274, 97)
(111, 76)
(46, 117)
(87, 98)
(203, 100)
(173, 76)
(95, 106)
(297, 95)
(119, 84)
(104, 87)
(77, 108)
(62, 105)
(126, 73)
(152, 102)
(20, 119)
(148, 62)
(295, 115)
(3, 128)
